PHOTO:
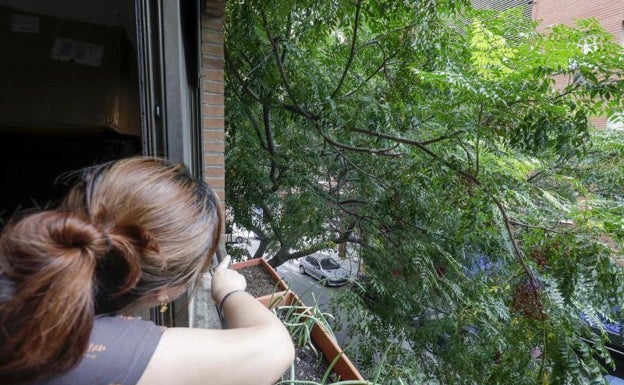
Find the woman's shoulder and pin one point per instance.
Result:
(120, 323)
(120, 333)
(119, 349)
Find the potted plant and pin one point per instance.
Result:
(311, 331)
(308, 325)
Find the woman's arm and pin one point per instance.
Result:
(256, 349)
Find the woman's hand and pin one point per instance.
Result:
(225, 280)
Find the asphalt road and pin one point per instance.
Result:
(306, 287)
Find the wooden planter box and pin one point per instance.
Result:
(330, 348)
(283, 296)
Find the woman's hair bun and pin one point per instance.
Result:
(55, 233)
(70, 231)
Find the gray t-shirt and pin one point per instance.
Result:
(119, 350)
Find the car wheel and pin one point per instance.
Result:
(301, 269)
(239, 239)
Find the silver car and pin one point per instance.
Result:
(325, 269)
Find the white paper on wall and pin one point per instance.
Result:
(24, 23)
(77, 52)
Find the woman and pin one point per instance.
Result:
(131, 234)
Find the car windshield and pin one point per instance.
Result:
(329, 264)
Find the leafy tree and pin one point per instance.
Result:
(451, 147)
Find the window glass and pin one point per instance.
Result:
(329, 264)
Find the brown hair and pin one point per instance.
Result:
(127, 230)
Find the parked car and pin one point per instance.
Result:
(615, 344)
(324, 268)
(611, 380)
(235, 234)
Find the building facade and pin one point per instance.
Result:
(609, 13)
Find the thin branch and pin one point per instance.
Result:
(300, 111)
(516, 223)
(567, 92)
(256, 127)
(233, 71)
(477, 141)
(269, 215)
(411, 142)
(266, 117)
(356, 24)
(340, 179)
(543, 356)
(252, 119)
(258, 65)
(352, 202)
(377, 70)
(530, 179)
(443, 137)
(278, 58)
(289, 25)
(365, 150)
(464, 147)
(360, 170)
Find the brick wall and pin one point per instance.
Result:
(213, 122)
(610, 14)
(204, 314)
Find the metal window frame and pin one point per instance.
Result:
(169, 60)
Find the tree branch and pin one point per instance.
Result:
(360, 170)
(377, 70)
(256, 127)
(365, 150)
(411, 142)
(266, 117)
(300, 111)
(516, 223)
(356, 24)
(477, 140)
(231, 70)
(278, 58)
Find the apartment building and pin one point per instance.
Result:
(609, 13)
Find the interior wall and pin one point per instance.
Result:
(119, 13)
(59, 111)
(64, 73)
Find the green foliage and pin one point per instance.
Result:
(430, 136)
